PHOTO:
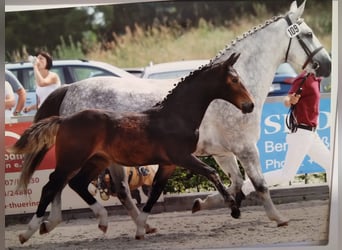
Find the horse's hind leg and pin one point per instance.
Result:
(55, 216)
(120, 180)
(229, 165)
(163, 174)
(250, 161)
(80, 182)
(55, 185)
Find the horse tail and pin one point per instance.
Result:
(36, 140)
(52, 104)
(50, 107)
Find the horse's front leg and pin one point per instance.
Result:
(249, 158)
(229, 165)
(163, 174)
(195, 165)
(120, 181)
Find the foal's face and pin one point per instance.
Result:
(237, 94)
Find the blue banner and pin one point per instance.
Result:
(272, 144)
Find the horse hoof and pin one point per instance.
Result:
(196, 206)
(104, 196)
(103, 228)
(283, 224)
(151, 230)
(43, 228)
(139, 237)
(240, 196)
(235, 212)
(22, 239)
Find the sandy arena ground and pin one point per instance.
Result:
(183, 230)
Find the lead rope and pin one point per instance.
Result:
(291, 120)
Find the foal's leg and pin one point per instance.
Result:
(55, 216)
(136, 195)
(120, 180)
(229, 165)
(195, 165)
(54, 186)
(163, 174)
(250, 160)
(80, 183)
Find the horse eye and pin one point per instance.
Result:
(309, 34)
(235, 80)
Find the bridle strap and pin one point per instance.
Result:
(303, 45)
(309, 54)
(288, 50)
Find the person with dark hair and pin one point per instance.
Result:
(18, 89)
(46, 80)
(303, 100)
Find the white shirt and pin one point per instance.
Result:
(8, 91)
(44, 92)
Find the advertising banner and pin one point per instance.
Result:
(19, 201)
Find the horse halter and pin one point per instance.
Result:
(305, 48)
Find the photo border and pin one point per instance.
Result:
(335, 221)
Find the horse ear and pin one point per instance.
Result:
(236, 57)
(232, 59)
(296, 12)
(293, 6)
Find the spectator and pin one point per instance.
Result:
(46, 80)
(18, 89)
(9, 97)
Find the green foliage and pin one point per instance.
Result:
(311, 178)
(161, 43)
(42, 29)
(183, 181)
(97, 28)
(68, 51)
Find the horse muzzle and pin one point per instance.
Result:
(322, 70)
(247, 107)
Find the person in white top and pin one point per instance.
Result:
(9, 97)
(46, 80)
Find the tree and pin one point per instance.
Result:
(43, 29)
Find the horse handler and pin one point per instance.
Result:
(303, 98)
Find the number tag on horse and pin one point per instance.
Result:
(293, 30)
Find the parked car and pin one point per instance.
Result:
(69, 71)
(138, 72)
(283, 78)
(171, 70)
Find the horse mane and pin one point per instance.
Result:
(224, 51)
(247, 34)
(184, 80)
